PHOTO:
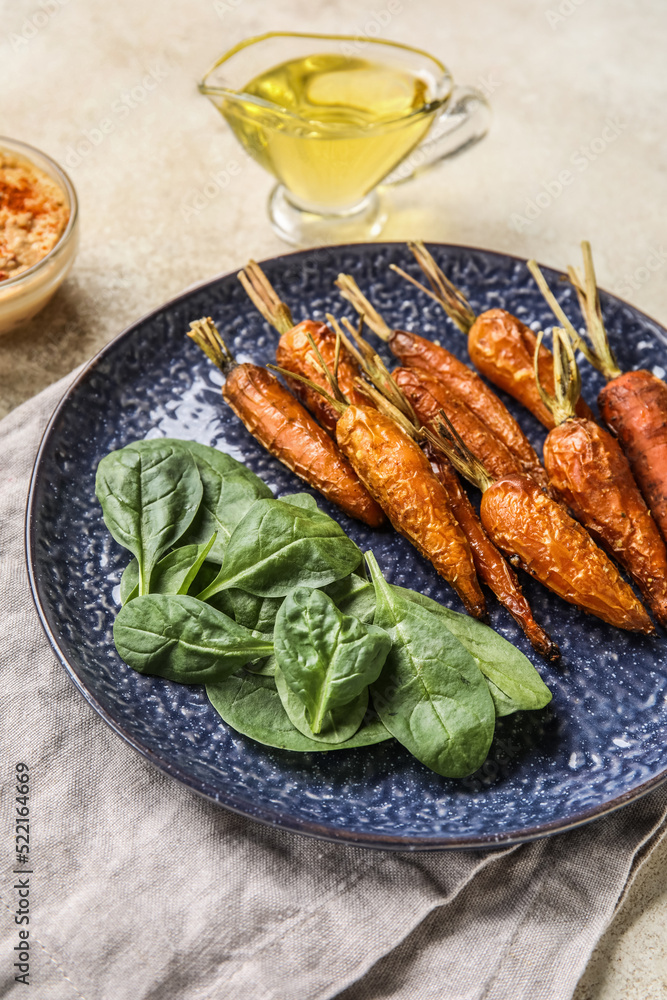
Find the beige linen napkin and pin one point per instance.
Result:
(140, 890)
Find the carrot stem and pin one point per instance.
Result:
(206, 336)
(375, 369)
(263, 296)
(557, 309)
(338, 406)
(359, 353)
(602, 356)
(324, 367)
(567, 380)
(353, 294)
(445, 292)
(385, 406)
(447, 440)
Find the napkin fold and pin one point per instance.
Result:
(141, 890)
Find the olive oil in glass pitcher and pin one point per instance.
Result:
(331, 126)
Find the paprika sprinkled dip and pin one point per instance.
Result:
(33, 214)
(38, 231)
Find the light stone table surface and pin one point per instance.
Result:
(575, 85)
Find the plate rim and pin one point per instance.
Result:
(276, 818)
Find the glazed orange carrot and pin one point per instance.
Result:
(429, 396)
(294, 352)
(499, 344)
(398, 475)
(551, 546)
(280, 423)
(632, 404)
(591, 475)
(414, 351)
(492, 569)
(538, 534)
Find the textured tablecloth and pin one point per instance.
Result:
(139, 890)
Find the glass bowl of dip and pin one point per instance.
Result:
(37, 278)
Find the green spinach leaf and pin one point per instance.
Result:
(328, 659)
(250, 704)
(266, 667)
(431, 694)
(502, 704)
(174, 574)
(129, 582)
(303, 500)
(338, 724)
(182, 639)
(278, 545)
(204, 579)
(353, 595)
(149, 492)
(229, 490)
(505, 667)
(201, 555)
(256, 613)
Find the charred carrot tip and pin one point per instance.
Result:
(550, 651)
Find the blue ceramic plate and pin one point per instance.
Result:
(600, 744)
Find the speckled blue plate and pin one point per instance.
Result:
(600, 744)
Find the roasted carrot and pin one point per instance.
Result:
(492, 569)
(591, 475)
(523, 521)
(538, 534)
(294, 352)
(414, 351)
(429, 396)
(280, 423)
(499, 344)
(398, 475)
(632, 404)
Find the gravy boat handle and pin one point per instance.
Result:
(464, 120)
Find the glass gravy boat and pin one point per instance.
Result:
(332, 117)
